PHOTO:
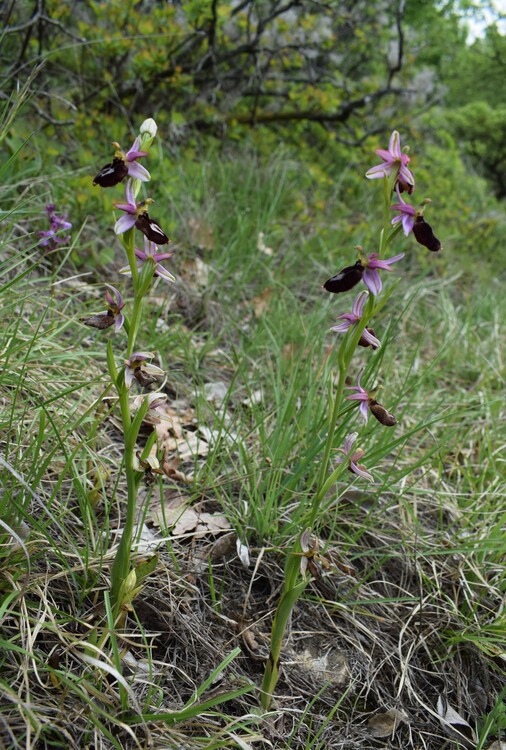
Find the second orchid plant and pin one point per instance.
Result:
(301, 563)
(136, 369)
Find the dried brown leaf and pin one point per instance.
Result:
(183, 519)
(261, 302)
(384, 724)
(454, 724)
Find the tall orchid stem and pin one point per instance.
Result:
(121, 564)
(294, 584)
(128, 240)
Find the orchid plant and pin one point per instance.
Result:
(135, 370)
(300, 565)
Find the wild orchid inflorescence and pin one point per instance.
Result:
(397, 178)
(57, 234)
(135, 370)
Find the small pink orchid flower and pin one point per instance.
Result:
(123, 165)
(149, 255)
(139, 368)
(136, 215)
(393, 159)
(354, 458)
(369, 404)
(355, 316)
(371, 277)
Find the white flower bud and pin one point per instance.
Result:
(149, 127)
(147, 132)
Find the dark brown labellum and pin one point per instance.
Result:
(382, 415)
(112, 174)
(144, 378)
(405, 187)
(314, 568)
(425, 236)
(101, 321)
(364, 342)
(151, 229)
(345, 279)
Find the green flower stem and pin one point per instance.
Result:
(135, 321)
(121, 565)
(283, 611)
(294, 586)
(128, 240)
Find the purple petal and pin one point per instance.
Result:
(348, 442)
(129, 192)
(138, 172)
(134, 152)
(132, 155)
(408, 222)
(358, 304)
(361, 472)
(110, 298)
(372, 280)
(394, 145)
(381, 170)
(384, 154)
(118, 323)
(163, 273)
(364, 410)
(129, 208)
(374, 262)
(161, 256)
(406, 175)
(371, 340)
(141, 356)
(362, 396)
(341, 327)
(125, 223)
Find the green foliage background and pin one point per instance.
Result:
(324, 83)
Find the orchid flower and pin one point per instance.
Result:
(355, 316)
(360, 395)
(123, 165)
(156, 403)
(369, 404)
(149, 255)
(371, 277)
(354, 458)
(365, 269)
(136, 215)
(393, 159)
(113, 315)
(137, 367)
(54, 236)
